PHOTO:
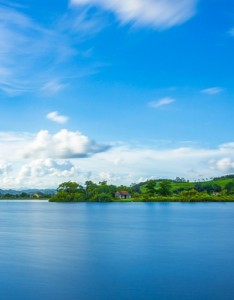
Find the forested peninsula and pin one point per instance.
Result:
(220, 189)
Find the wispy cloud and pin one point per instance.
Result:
(161, 103)
(212, 91)
(25, 50)
(55, 117)
(52, 87)
(84, 21)
(28, 48)
(154, 13)
(231, 31)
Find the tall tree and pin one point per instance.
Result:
(150, 187)
(165, 188)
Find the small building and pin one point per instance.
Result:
(123, 195)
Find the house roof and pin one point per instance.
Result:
(123, 192)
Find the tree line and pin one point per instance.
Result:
(90, 192)
(24, 195)
(151, 190)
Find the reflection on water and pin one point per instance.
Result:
(116, 251)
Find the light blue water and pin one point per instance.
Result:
(116, 251)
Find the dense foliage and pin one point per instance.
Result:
(90, 192)
(221, 189)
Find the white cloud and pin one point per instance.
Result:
(155, 13)
(41, 173)
(212, 91)
(52, 87)
(55, 117)
(5, 168)
(44, 160)
(63, 144)
(135, 163)
(46, 168)
(162, 102)
(225, 164)
(227, 146)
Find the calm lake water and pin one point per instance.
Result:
(77, 251)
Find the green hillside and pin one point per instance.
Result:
(181, 184)
(222, 182)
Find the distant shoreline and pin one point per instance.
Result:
(123, 201)
(151, 201)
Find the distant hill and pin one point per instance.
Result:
(28, 191)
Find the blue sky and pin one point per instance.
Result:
(115, 90)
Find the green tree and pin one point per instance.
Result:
(24, 195)
(69, 192)
(69, 187)
(188, 195)
(230, 188)
(199, 187)
(101, 192)
(102, 197)
(165, 188)
(90, 189)
(150, 187)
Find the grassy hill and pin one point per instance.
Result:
(221, 181)
(178, 185)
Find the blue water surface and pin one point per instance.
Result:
(78, 251)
